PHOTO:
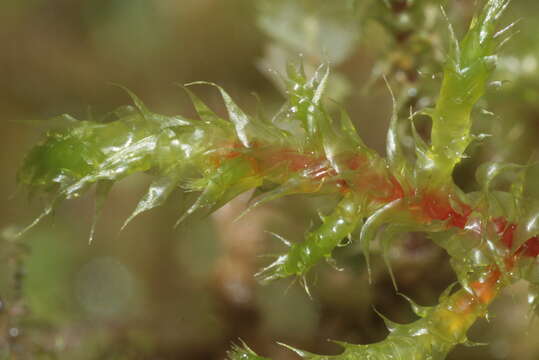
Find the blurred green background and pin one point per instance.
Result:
(155, 292)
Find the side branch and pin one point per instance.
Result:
(439, 329)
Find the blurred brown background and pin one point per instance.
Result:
(155, 292)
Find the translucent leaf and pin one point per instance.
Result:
(394, 150)
(390, 325)
(102, 191)
(487, 172)
(144, 111)
(373, 224)
(294, 185)
(302, 353)
(157, 194)
(421, 311)
(236, 115)
(243, 352)
(203, 111)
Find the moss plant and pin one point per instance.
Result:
(490, 235)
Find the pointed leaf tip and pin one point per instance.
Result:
(236, 115)
(371, 226)
(243, 352)
(144, 111)
(419, 310)
(103, 188)
(157, 194)
(304, 354)
(390, 325)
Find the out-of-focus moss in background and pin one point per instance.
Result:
(153, 292)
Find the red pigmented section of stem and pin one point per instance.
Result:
(485, 290)
(507, 231)
(436, 206)
(531, 247)
(376, 183)
(356, 161)
(294, 160)
(395, 191)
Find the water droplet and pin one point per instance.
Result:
(496, 84)
(412, 92)
(490, 61)
(14, 332)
